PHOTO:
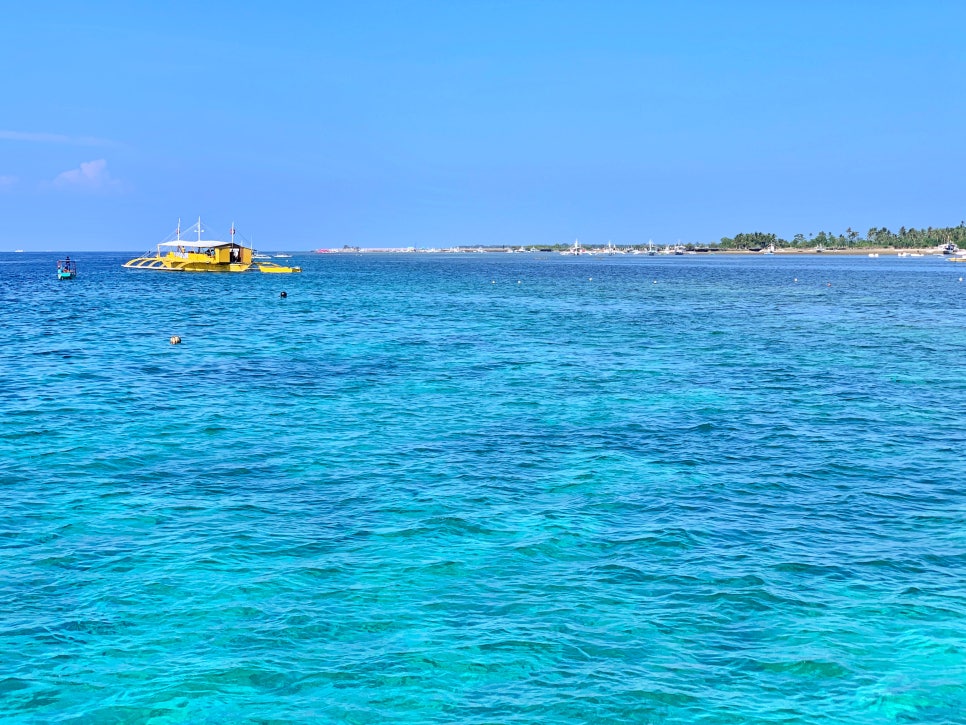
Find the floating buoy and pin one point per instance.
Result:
(175, 340)
(518, 281)
(655, 281)
(796, 279)
(493, 282)
(828, 284)
(283, 295)
(590, 279)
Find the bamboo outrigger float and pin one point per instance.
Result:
(204, 255)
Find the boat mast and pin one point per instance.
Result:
(199, 229)
(179, 229)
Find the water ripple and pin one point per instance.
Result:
(417, 491)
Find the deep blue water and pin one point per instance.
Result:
(484, 489)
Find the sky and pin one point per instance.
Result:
(431, 124)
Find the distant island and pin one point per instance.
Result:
(941, 239)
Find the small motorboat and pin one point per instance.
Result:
(66, 268)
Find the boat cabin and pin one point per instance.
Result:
(182, 254)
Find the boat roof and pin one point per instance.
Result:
(202, 243)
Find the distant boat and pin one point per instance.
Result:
(283, 256)
(20, 251)
(259, 255)
(575, 250)
(873, 254)
(611, 250)
(66, 268)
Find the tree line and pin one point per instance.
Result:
(911, 238)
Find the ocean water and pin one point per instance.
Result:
(484, 489)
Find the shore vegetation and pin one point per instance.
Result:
(876, 237)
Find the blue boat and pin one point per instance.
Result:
(66, 268)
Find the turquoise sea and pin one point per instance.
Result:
(491, 488)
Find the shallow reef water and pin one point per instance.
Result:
(484, 488)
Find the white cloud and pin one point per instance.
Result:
(53, 138)
(90, 175)
(7, 182)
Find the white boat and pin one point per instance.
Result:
(873, 254)
(283, 256)
(259, 255)
(575, 250)
(610, 249)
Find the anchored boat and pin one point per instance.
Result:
(181, 254)
(66, 268)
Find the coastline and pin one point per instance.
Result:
(864, 252)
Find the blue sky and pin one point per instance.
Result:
(438, 123)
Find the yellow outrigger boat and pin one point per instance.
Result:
(202, 255)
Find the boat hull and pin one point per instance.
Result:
(163, 264)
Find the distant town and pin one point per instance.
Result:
(912, 241)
